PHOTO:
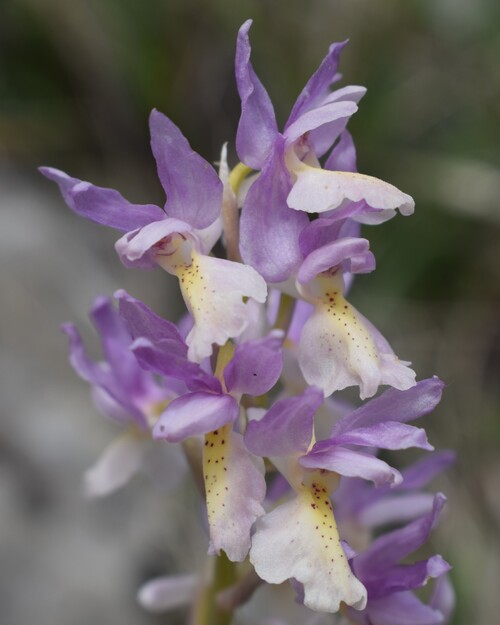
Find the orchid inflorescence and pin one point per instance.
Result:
(246, 380)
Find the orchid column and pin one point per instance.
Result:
(244, 389)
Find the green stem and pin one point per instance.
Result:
(206, 610)
(285, 312)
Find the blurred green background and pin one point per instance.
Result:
(77, 81)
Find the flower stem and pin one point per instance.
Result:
(285, 312)
(206, 609)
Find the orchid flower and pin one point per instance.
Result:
(178, 238)
(389, 584)
(290, 172)
(299, 539)
(130, 397)
(233, 477)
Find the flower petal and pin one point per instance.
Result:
(116, 342)
(405, 577)
(235, 489)
(395, 508)
(119, 462)
(257, 128)
(318, 190)
(335, 114)
(389, 548)
(159, 347)
(193, 188)
(193, 414)
(213, 290)
(338, 349)
(394, 405)
(318, 85)
(269, 229)
(287, 427)
(343, 155)
(385, 435)
(135, 248)
(349, 250)
(167, 593)
(350, 463)
(295, 541)
(103, 206)
(403, 608)
(256, 365)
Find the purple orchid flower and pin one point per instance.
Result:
(127, 395)
(290, 172)
(234, 477)
(285, 434)
(389, 584)
(178, 238)
(299, 539)
(312, 260)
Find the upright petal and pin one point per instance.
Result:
(193, 188)
(269, 229)
(103, 206)
(257, 129)
(318, 85)
(287, 427)
(116, 342)
(235, 489)
(256, 365)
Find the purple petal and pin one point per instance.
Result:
(143, 322)
(193, 414)
(319, 83)
(257, 128)
(394, 508)
(193, 188)
(343, 155)
(443, 597)
(269, 230)
(256, 366)
(168, 358)
(134, 248)
(116, 342)
(390, 548)
(394, 405)
(402, 608)
(168, 593)
(287, 427)
(422, 472)
(103, 206)
(335, 114)
(386, 435)
(159, 346)
(350, 463)
(323, 137)
(333, 254)
(405, 577)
